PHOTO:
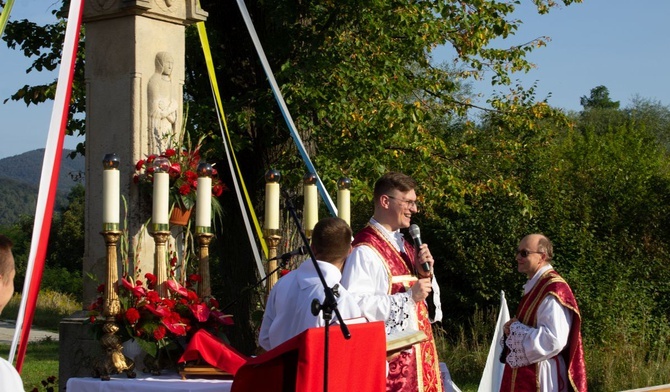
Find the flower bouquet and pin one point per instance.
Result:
(162, 326)
(184, 161)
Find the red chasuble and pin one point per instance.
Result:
(525, 378)
(405, 372)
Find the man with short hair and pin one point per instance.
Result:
(543, 342)
(288, 308)
(384, 272)
(10, 381)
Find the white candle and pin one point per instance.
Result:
(110, 195)
(203, 210)
(311, 210)
(271, 206)
(161, 198)
(344, 205)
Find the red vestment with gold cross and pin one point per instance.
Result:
(406, 373)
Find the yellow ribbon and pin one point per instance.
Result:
(4, 17)
(215, 88)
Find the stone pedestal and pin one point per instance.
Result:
(78, 349)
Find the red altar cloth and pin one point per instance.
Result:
(205, 346)
(297, 365)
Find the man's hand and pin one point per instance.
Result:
(507, 325)
(421, 289)
(423, 256)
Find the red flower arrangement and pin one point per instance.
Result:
(156, 322)
(183, 177)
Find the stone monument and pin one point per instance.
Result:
(135, 52)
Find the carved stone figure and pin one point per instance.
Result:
(163, 106)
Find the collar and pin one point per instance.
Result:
(394, 237)
(307, 275)
(531, 283)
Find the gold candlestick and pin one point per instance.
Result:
(114, 361)
(204, 288)
(272, 237)
(160, 261)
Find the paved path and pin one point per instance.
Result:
(7, 333)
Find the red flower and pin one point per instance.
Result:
(159, 310)
(176, 287)
(101, 288)
(151, 280)
(132, 315)
(159, 332)
(174, 324)
(195, 278)
(170, 152)
(153, 296)
(191, 177)
(225, 319)
(217, 190)
(213, 303)
(174, 170)
(284, 272)
(193, 296)
(137, 291)
(139, 165)
(200, 311)
(185, 189)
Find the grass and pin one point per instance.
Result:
(41, 360)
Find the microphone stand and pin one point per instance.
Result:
(329, 304)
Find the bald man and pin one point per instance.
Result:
(543, 342)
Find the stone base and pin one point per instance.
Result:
(78, 350)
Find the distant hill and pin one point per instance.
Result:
(20, 178)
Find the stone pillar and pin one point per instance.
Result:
(134, 83)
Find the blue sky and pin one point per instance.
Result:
(621, 44)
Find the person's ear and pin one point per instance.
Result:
(384, 201)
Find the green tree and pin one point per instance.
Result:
(599, 99)
(361, 88)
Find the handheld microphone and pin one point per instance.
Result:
(416, 236)
(300, 251)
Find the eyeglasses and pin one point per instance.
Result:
(524, 253)
(410, 203)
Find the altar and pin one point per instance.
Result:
(147, 383)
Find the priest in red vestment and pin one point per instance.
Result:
(384, 273)
(543, 342)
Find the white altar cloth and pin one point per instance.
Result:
(148, 383)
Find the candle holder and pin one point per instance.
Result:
(204, 288)
(272, 238)
(113, 362)
(160, 261)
